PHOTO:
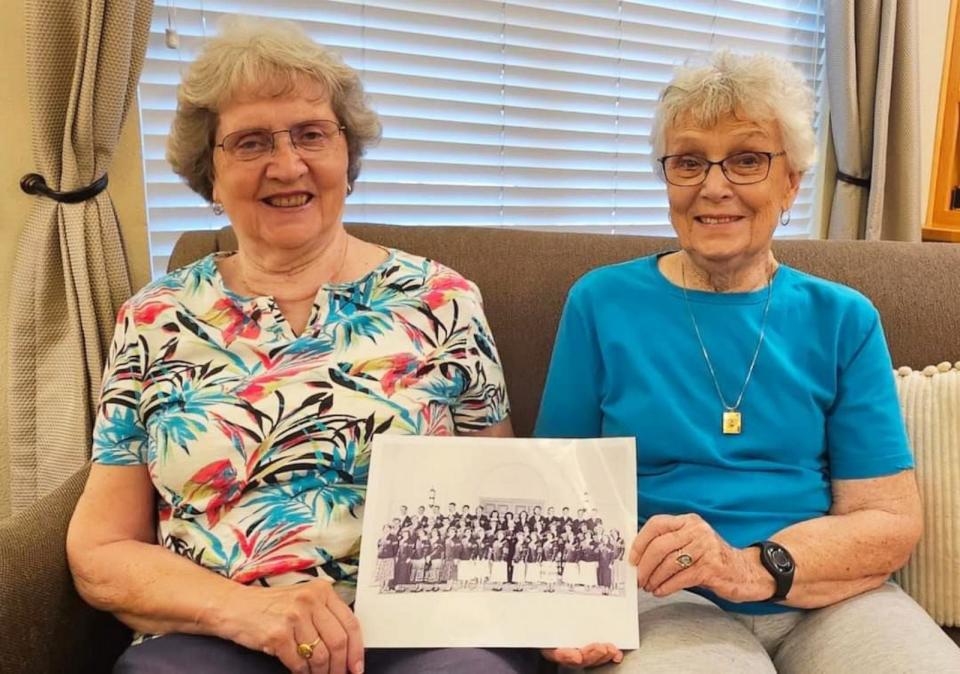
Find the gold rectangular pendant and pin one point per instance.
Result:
(731, 423)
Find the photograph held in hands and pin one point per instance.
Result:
(498, 542)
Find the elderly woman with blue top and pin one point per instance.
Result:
(775, 484)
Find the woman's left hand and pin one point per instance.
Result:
(591, 655)
(676, 552)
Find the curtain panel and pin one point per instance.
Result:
(872, 79)
(70, 273)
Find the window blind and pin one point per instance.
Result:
(528, 113)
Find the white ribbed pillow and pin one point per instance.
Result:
(930, 400)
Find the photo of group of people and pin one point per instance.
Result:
(508, 542)
(510, 548)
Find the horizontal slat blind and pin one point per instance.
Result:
(529, 113)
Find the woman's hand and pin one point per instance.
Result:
(676, 552)
(276, 620)
(590, 655)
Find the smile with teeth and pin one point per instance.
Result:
(717, 219)
(288, 201)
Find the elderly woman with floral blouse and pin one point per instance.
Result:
(221, 519)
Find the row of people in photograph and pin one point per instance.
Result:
(492, 558)
(529, 521)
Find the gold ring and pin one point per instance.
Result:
(684, 561)
(305, 651)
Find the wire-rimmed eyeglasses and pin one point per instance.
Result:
(315, 135)
(742, 168)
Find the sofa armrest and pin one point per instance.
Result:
(46, 627)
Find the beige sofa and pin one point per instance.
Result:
(524, 277)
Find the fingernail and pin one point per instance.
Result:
(358, 668)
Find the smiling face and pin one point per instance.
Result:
(719, 224)
(288, 199)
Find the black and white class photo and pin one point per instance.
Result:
(516, 540)
(499, 545)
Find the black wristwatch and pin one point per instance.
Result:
(780, 564)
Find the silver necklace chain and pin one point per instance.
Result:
(706, 356)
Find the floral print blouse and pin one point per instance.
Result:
(258, 440)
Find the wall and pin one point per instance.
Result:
(126, 187)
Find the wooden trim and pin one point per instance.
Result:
(942, 234)
(942, 223)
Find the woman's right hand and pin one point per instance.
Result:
(276, 620)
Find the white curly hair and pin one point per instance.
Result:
(758, 87)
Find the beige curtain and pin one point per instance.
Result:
(872, 73)
(70, 276)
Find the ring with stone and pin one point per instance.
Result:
(305, 651)
(684, 560)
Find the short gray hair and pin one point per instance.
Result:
(757, 87)
(268, 57)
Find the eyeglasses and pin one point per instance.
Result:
(742, 168)
(314, 136)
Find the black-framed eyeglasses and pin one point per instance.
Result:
(742, 168)
(315, 135)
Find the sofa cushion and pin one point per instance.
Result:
(930, 399)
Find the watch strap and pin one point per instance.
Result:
(779, 563)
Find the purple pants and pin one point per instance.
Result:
(177, 653)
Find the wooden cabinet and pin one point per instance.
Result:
(943, 209)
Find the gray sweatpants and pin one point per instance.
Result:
(879, 632)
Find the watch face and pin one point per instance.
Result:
(780, 559)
